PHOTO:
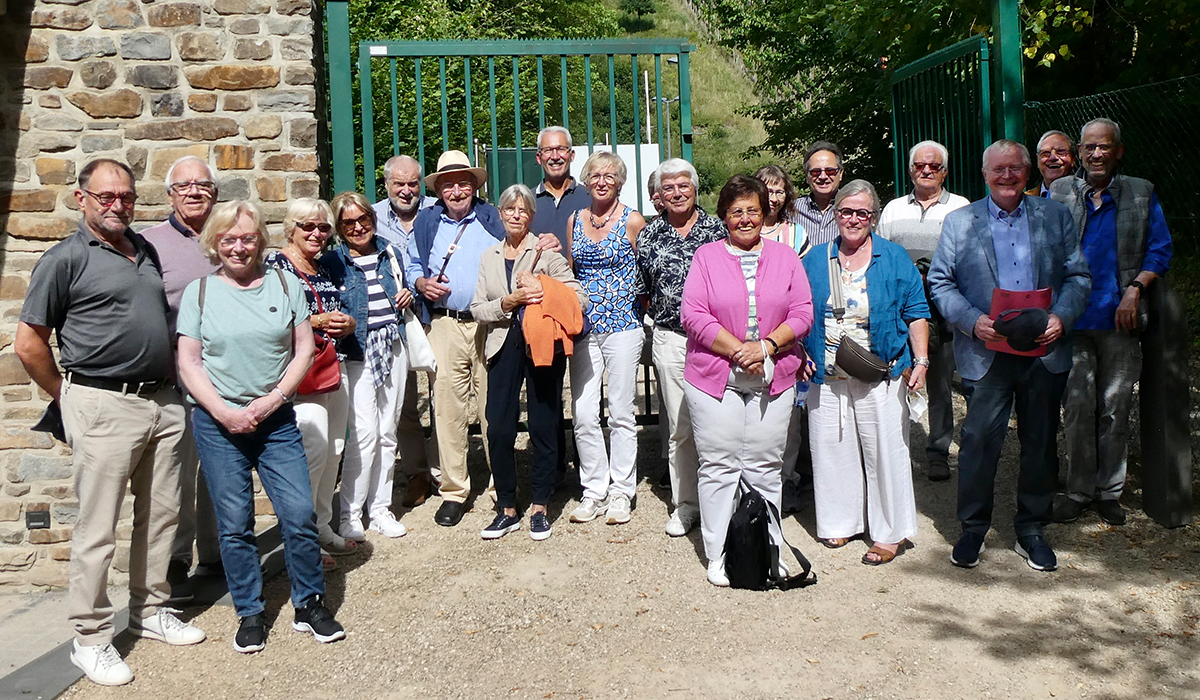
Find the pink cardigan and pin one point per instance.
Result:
(714, 297)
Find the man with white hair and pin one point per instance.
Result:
(1055, 159)
(192, 191)
(665, 248)
(915, 222)
(396, 215)
(558, 195)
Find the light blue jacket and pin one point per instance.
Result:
(963, 276)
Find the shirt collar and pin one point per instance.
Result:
(541, 188)
(471, 216)
(180, 226)
(1000, 215)
(943, 198)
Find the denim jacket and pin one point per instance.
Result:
(351, 281)
(895, 294)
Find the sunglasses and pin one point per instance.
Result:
(931, 167)
(363, 221)
(309, 227)
(829, 172)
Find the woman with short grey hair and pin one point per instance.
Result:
(603, 245)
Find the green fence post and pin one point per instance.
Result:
(368, 120)
(445, 105)
(420, 112)
(395, 108)
(340, 98)
(1008, 61)
(517, 117)
(685, 105)
(470, 113)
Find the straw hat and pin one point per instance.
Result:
(454, 162)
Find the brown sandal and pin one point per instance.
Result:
(834, 542)
(884, 556)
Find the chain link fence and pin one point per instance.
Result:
(1159, 125)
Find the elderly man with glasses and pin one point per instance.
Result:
(915, 222)
(558, 195)
(192, 191)
(1055, 159)
(823, 171)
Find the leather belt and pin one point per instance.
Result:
(137, 388)
(456, 315)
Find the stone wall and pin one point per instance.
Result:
(145, 82)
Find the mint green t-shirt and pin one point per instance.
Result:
(245, 334)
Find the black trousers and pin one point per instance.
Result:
(508, 371)
(1037, 395)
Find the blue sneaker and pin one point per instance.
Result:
(967, 550)
(501, 526)
(1037, 553)
(539, 527)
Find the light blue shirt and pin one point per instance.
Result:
(463, 270)
(1014, 253)
(389, 227)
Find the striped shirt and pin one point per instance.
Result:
(821, 226)
(379, 309)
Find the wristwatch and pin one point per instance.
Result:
(1138, 283)
(923, 361)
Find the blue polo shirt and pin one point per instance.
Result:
(551, 216)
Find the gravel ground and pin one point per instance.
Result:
(603, 611)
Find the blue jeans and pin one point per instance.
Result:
(276, 451)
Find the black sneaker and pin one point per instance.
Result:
(1037, 553)
(1066, 509)
(251, 635)
(939, 469)
(1110, 511)
(967, 550)
(539, 527)
(314, 618)
(501, 526)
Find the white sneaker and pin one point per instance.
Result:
(352, 529)
(101, 664)
(588, 509)
(386, 524)
(682, 521)
(716, 574)
(618, 510)
(165, 627)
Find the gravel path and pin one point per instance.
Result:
(603, 611)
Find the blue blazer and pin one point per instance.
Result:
(351, 281)
(420, 243)
(963, 276)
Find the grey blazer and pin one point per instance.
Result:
(963, 276)
(493, 286)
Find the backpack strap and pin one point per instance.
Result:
(806, 577)
(203, 287)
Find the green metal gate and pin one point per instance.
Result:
(490, 98)
(946, 96)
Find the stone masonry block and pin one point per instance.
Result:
(123, 103)
(41, 228)
(305, 187)
(98, 74)
(50, 101)
(263, 126)
(57, 491)
(200, 46)
(242, 7)
(299, 48)
(252, 49)
(232, 188)
(42, 467)
(232, 157)
(12, 438)
(145, 46)
(16, 490)
(46, 77)
(291, 162)
(303, 132)
(50, 535)
(12, 535)
(28, 200)
(65, 512)
(61, 552)
(57, 122)
(167, 105)
(299, 75)
(156, 76)
(287, 101)
(293, 7)
(56, 171)
(232, 77)
(164, 157)
(12, 371)
(237, 102)
(175, 14)
(10, 511)
(246, 25)
(202, 101)
(119, 14)
(17, 558)
(191, 129)
(285, 26)
(50, 574)
(12, 288)
(270, 188)
(72, 47)
(73, 18)
(37, 50)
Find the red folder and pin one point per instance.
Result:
(1005, 300)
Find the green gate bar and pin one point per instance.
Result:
(445, 119)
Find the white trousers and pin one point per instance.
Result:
(669, 353)
(862, 471)
(739, 436)
(619, 354)
(322, 422)
(371, 444)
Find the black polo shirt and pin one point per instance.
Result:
(551, 216)
(110, 313)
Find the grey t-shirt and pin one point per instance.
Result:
(110, 313)
(245, 334)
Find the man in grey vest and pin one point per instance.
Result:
(1124, 236)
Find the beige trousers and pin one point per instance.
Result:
(118, 440)
(458, 348)
(415, 454)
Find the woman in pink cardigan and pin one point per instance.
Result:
(746, 306)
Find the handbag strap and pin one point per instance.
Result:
(462, 228)
(836, 297)
(304, 278)
(806, 577)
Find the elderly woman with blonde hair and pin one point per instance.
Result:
(308, 226)
(245, 344)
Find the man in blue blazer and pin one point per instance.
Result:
(1008, 241)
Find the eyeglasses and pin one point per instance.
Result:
(461, 186)
(1008, 170)
(931, 167)
(514, 211)
(606, 178)
(107, 199)
(776, 193)
(682, 188)
(247, 241)
(1099, 148)
(752, 212)
(815, 173)
(204, 186)
(310, 226)
(363, 221)
(1060, 152)
(861, 214)
(551, 150)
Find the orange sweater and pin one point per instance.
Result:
(557, 317)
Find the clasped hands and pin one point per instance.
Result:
(750, 357)
(528, 291)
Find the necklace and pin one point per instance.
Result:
(598, 226)
(293, 255)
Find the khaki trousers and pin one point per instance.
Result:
(118, 440)
(458, 348)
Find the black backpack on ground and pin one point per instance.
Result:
(751, 559)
